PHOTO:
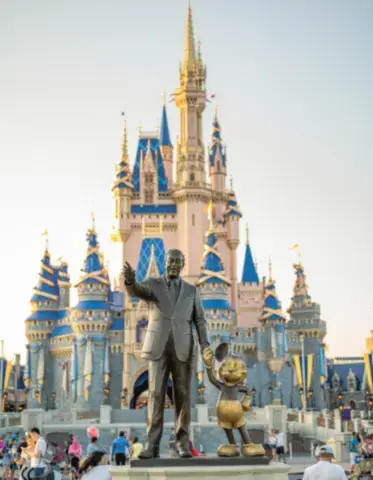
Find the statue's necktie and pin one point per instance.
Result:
(173, 291)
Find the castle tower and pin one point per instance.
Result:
(305, 320)
(91, 319)
(166, 146)
(64, 285)
(123, 193)
(190, 192)
(45, 312)
(232, 216)
(217, 170)
(213, 286)
(250, 291)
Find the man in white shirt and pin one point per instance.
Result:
(280, 446)
(324, 469)
(40, 449)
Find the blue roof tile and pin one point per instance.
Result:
(118, 324)
(217, 147)
(249, 273)
(168, 209)
(145, 254)
(142, 148)
(164, 137)
(272, 310)
(211, 263)
(61, 330)
(216, 305)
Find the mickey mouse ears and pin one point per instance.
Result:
(221, 352)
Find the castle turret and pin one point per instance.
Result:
(272, 309)
(45, 312)
(217, 170)
(232, 217)
(91, 319)
(166, 146)
(64, 285)
(250, 291)
(214, 285)
(190, 192)
(123, 193)
(305, 320)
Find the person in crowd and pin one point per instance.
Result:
(75, 449)
(93, 435)
(39, 450)
(354, 447)
(272, 443)
(7, 460)
(95, 467)
(280, 446)
(136, 447)
(367, 447)
(120, 449)
(172, 443)
(324, 469)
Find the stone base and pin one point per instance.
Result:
(212, 461)
(203, 471)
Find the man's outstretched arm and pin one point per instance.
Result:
(140, 290)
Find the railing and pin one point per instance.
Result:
(56, 417)
(89, 415)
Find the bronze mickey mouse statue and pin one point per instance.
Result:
(230, 410)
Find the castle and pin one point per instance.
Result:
(88, 354)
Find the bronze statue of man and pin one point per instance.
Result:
(168, 347)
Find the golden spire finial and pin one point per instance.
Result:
(93, 222)
(215, 112)
(189, 47)
(247, 234)
(46, 235)
(124, 141)
(270, 269)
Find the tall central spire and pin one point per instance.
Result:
(189, 45)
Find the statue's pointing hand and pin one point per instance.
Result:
(129, 274)
(208, 357)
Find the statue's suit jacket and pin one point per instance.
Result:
(166, 318)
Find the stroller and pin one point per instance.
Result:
(54, 460)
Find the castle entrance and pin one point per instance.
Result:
(140, 393)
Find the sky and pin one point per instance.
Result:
(293, 84)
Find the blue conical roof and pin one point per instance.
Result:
(272, 310)
(212, 270)
(94, 269)
(232, 208)
(249, 273)
(47, 288)
(164, 137)
(144, 144)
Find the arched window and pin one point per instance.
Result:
(192, 177)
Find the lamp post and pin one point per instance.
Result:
(270, 391)
(310, 397)
(253, 394)
(124, 397)
(341, 408)
(4, 401)
(53, 396)
(106, 395)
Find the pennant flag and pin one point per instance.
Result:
(368, 360)
(294, 247)
(303, 368)
(45, 233)
(323, 372)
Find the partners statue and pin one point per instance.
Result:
(168, 347)
(230, 410)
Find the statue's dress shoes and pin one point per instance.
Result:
(148, 453)
(183, 451)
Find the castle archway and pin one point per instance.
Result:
(140, 392)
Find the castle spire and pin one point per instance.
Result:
(212, 270)
(272, 310)
(123, 171)
(164, 136)
(249, 273)
(217, 151)
(189, 45)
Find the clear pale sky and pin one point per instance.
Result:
(293, 82)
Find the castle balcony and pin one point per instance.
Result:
(310, 327)
(191, 184)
